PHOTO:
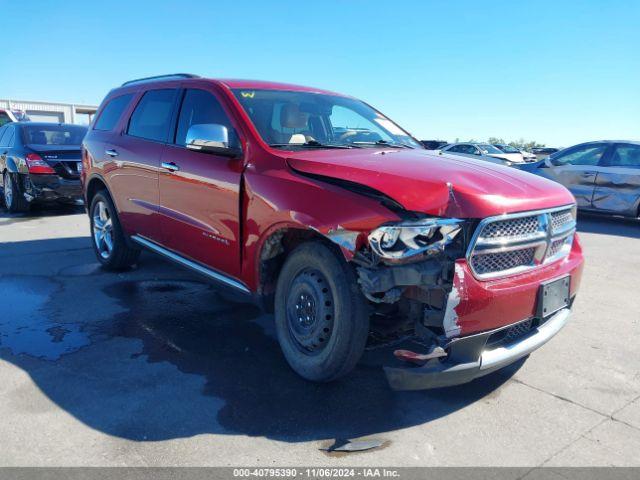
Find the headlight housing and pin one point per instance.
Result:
(412, 240)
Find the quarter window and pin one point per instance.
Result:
(199, 107)
(112, 112)
(152, 117)
(626, 156)
(589, 155)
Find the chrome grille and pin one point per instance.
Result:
(560, 220)
(514, 243)
(500, 261)
(515, 228)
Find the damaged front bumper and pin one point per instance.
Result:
(473, 356)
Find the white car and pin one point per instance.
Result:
(509, 149)
(481, 150)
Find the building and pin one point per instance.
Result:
(52, 112)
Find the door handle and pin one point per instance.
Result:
(111, 153)
(172, 167)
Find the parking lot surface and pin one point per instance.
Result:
(154, 367)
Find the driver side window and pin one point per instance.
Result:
(589, 155)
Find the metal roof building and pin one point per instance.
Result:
(52, 112)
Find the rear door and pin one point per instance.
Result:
(200, 192)
(617, 187)
(133, 160)
(577, 169)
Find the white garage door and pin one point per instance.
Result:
(38, 116)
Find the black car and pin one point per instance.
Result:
(40, 162)
(604, 176)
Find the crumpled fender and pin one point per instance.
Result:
(279, 199)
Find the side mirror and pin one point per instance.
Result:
(547, 162)
(211, 138)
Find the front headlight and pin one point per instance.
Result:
(407, 241)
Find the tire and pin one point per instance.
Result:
(107, 237)
(14, 201)
(321, 317)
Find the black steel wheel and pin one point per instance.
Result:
(321, 316)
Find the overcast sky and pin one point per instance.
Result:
(559, 72)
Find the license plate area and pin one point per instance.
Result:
(553, 296)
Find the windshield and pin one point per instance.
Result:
(508, 149)
(53, 134)
(301, 120)
(488, 148)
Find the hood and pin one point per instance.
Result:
(435, 185)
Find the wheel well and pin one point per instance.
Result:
(275, 250)
(95, 185)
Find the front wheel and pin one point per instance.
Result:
(321, 316)
(108, 238)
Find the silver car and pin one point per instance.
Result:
(604, 176)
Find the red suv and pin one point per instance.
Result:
(331, 215)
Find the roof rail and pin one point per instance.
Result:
(169, 76)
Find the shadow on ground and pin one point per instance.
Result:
(152, 355)
(608, 225)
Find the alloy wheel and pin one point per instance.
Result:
(102, 230)
(8, 190)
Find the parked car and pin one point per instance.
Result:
(471, 150)
(433, 144)
(603, 176)
(482, 150)
(509, 149)
(40, 162)
(542, 152)
(12, 115)
(269, 190)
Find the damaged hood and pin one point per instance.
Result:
(421, 182)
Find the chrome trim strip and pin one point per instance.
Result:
(503, 356)
(201, 269)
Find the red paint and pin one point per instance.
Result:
(219, 211)
(485, 305)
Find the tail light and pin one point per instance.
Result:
(37, 165)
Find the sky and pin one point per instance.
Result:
(557, 72)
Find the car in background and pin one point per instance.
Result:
(40, 162)
(472, 150)
(11, 115)
(433, 144)
(604, 176)
(510, 149)
(542, 152)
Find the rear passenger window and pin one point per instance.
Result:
(9, 137)
(199, 107)
(626, 156)
(152, 117)
(112, 112)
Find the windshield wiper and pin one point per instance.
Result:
(313, 144)
(385, 143)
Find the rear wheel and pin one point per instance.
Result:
(321, 316)
(13, 198)
(109, 242)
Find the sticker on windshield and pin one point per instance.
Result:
(247, 94)
(389, 126)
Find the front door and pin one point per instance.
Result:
(577, 169)
(618, 184)
(200, 192)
